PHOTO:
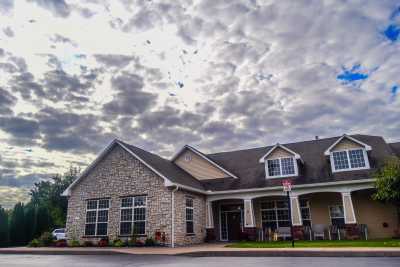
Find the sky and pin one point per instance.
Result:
(218, 75)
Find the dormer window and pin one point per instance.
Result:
(348, 154)
(281, 167)
(352, 159)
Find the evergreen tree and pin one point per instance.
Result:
(17, 226)
(4, 240)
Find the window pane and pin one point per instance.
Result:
(125, 228)
(338, 222)
(126, 202)
(189, 202)
(272, 225)
(139, 228)
(273, 167)
(102, 229)
(304, 203)
(283, 223)
(305, 213)
(356, 158)
(91, 205)
(189, 214)
(90, 229)
(102, 216)
(336, 211)
(283, 215)
(140, 214)
(268, 215)
(340, 160)
(282, 204)
(287, 166)
(126, 215)
(267, 205)
(103, 203)
(140, 201)
(91, 216)
(189, 227)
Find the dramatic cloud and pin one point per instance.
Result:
(218, 75)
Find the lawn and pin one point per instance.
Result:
(319, 244)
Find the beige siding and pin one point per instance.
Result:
(279, 153)
(198, 167)
(346, 144)
(319, 206)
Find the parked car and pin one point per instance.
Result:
(59, 234)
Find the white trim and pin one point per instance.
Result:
(365, 155)
(346, 221)
(296, 169)
(97, 209)
(173, 216)
(328, 151)
(210, 215)
(203, 157)
(252, 218)
(296, 156)
(186, 209)
(132, 221)
(296, 198)
(329, 211)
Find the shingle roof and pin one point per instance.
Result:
(166, 167)
(396, 148)
(315, 169)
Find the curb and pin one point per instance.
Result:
(61, 252)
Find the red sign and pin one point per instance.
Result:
(287, 185)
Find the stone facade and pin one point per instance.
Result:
(119, 174)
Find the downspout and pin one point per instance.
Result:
(173, 216)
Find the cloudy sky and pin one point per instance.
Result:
(218, 75)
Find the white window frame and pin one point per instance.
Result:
(296, 168)
(192, 220)
(365, 155)
(132, 221)
(275, 209)
(305, 207)
(330, 214)
(97, 209)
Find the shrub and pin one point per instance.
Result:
(88, 243)
(34, 243)
(74, 243)
(132, 241)
(103, 242)
(118, 243)
(149, 242)
(46, 239)
(61, 243)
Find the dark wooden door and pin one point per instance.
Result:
(233, 226)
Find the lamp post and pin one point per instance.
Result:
(287, 187)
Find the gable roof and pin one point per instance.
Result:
(345, 136)
(203, 156)
(262, 159)
(171, 173)
(315, 167)
(396, 148)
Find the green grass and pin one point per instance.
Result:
(319, 244)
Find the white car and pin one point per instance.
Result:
(59, 234)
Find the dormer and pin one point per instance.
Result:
(280, 162)
(348, 154)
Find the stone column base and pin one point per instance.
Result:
(250, 233)
(210, 235)
(352, 231)
(298, 232)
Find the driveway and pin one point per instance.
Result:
(173, 261)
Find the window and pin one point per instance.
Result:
(275, 214)
(281, 167)
(189, 216)
(97, 217)
(337, 215)
(133, 215)
(305, 212)
(349, 159)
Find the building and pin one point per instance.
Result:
(226, 195)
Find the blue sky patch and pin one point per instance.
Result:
(395, 13)
(394, 90)
(350, 76)
(392, 32)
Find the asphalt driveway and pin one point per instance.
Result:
(180, 261)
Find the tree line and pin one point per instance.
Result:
(46, 210)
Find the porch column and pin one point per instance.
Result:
(295, 210)
(348, 209)
(249, 220)
(210, 234)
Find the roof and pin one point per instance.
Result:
(396, 148)
(314, 169)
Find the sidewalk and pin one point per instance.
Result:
(213, 250)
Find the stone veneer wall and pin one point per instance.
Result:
(120, 174)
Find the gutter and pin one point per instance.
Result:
(173, 216)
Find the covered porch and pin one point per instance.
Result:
(335, 213)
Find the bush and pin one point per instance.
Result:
(132, 241)
(61, 243)
(46, 239)
(88, 243)
(34, 243)
(103, 242)
(74, 243)
(149, 242)
(118, 243)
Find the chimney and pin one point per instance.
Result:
(316, 137)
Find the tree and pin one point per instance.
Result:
(4, 238)
(17, 225)
(387, 183)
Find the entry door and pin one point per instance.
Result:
(233, 225)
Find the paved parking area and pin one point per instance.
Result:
(169, 261)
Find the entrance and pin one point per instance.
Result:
(231, 222)
(234, 228)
